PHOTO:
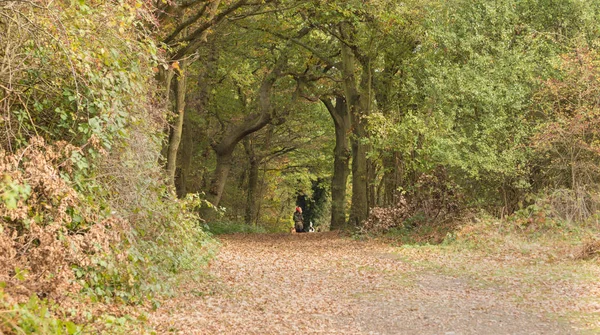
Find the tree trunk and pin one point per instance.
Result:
(166, 77)
(358, 99)
(175, 139)
(185, 158)
(179, 58)
(194, 136)
(360, 205)
(252, 195)
(217, 184)
(341, 152)
(372, 172)
(224, 151)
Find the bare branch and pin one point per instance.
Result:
(185, 24)
(196, 38)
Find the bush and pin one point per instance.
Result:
(559, 206)
(433, 199)
(84, 207)
(231, 227)
(46, 228)
(566, 143)
(32, 317)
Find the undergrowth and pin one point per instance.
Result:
(32, 317)
(222, 227)
(90, 233)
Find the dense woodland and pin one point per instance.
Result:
(133, 130)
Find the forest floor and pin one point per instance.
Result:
(322, 283)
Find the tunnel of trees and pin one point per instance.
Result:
(128, 128)
(419, 109)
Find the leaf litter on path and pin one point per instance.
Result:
(322, 283)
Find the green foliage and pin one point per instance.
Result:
(33, 317)
(316, 208)
(567, 140)
(482, 73)
(469, 90)
(222, 227)
(471, 98)
(13, 192)
(72, 87)
(165, 240)
(37, 316)
(291, 152)
(82, 73)
(173, 240)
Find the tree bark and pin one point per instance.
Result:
(360, 205)
(196, 38)
(185, 157)
(341, 120)
(253, 169)
(194, 136)
(358, 99)
(166, 77)
(372, 172)
(224, 152)
(220, 177)
(175, 139)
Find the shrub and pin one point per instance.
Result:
(221, 227)
(567, 142)
(46, 228)
(84, 207)
(432, 200)
(32, 317)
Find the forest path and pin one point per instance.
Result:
(325, 284)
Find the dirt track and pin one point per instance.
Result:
(265, 284)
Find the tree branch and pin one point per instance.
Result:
(332, 111)
(257, 12)
(296, 41)
(196, 37)
(185, 24)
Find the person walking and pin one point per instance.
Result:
(298, 220)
